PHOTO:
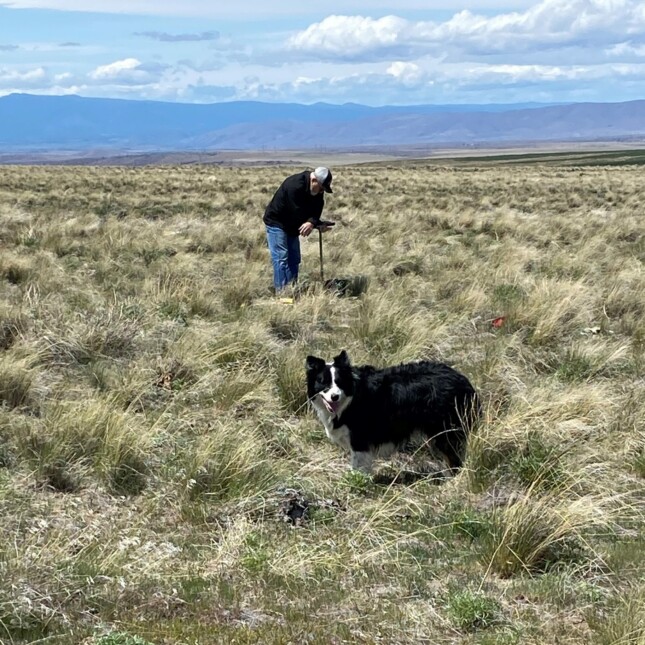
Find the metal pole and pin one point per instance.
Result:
(322, 275)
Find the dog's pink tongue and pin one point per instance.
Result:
(332, 406)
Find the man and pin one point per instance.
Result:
(294, 210)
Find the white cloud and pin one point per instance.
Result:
(515, 55)
(406, 72)
(399, 83)
(347, 36)
(518, 74)
(129, 71)
(550, 23)
(626, 50)
(27, 78)
(114, 71)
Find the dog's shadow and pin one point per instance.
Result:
(412, 464)
(406, 476)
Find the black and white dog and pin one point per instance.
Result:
(373, 412)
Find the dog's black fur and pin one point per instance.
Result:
(373, 412)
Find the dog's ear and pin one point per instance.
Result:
(342, 360)
(314, 363)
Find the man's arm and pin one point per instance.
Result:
(315, 211)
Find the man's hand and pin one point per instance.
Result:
(306, 229)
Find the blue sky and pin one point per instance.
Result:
(379, 52)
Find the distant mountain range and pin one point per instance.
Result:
(30, 123)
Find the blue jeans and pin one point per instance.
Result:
(285, 256)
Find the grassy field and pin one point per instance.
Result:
(163, 481)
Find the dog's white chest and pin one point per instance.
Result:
(340, 435)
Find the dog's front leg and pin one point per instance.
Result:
(362, 460)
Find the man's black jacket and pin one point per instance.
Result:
(293, 204)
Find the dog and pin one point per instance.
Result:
(374, 412)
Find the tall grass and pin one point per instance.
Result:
(163, 478)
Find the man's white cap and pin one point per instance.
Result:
(323, 177)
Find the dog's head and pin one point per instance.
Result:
(330, 385)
